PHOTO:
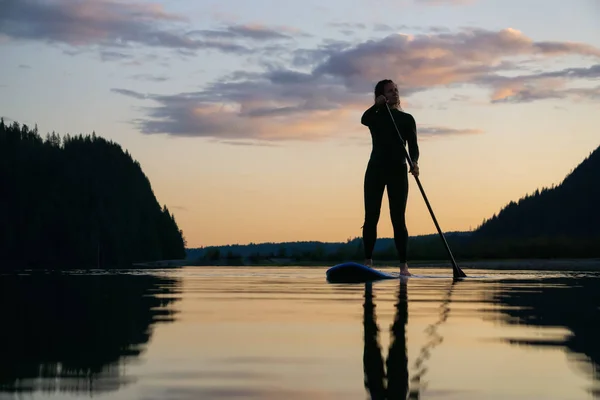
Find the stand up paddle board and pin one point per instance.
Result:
(351, 272)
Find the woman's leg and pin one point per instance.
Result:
(374, 186)
(398, 195)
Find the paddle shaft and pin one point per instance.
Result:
(456, 271)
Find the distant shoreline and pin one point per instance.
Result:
(583, 264)
(592, 264)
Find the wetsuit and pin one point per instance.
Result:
(388, 167)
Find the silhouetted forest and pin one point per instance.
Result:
(570, 209)
(562, 221)
(76, 334)
(570, 303)
(78, 202)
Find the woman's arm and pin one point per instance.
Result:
(413, 145)
(368, 117)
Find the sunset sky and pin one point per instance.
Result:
(245, 115)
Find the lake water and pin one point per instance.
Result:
(285, 333)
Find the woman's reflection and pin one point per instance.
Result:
(397, 361)
(394, 384)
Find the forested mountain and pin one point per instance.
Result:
(561, 221)
(570, 209)
(78, 202)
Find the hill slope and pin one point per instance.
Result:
(78, 202)
(570, 209)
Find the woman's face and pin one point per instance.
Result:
(390, 91)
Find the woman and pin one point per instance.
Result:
(387, 167)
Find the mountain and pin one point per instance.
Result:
(570, 209)
(562, 221)
(78, 202)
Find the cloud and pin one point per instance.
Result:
(445, 2)
(130, 93)
(119, 24)
(423, 61)
(460, 98)
(360, 28)
(247, 143)
(424, 132)
(149, 77)
(444, 130)
(253, 117)
(78, 22)
(108, 55)
(529, 92)
(254, 32)
(545, 85)
(250, 117)
(350, 25)
(321, 91)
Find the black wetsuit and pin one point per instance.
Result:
(388, 167)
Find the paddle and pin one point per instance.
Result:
(456, 271)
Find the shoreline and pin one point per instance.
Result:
(584, 264)
(559, 264)
(591, 264)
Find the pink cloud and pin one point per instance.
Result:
(322, 90)
(309, 92)
(426, 61)
(113, 23)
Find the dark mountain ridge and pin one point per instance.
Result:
(571, 208)
(78, 202)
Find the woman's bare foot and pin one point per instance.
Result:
(369, 262)
(404, 270)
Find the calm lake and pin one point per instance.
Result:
(285, 333)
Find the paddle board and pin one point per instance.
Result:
(351, 272)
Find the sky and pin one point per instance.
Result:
(245, 115)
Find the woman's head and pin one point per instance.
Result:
(389, 89)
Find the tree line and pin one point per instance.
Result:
(78, 202)
(430, 248)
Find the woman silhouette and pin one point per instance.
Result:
(388, 167)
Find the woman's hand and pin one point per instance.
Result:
(380, 100)
(415, 169)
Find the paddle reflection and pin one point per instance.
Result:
(433, 338)
(73, 333)
(390, 380)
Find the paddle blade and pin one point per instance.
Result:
(458, 273)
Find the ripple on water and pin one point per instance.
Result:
(263, 333)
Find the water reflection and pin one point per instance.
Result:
(569, 302)
(434, 338)
(392, 382)
(74, 332)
